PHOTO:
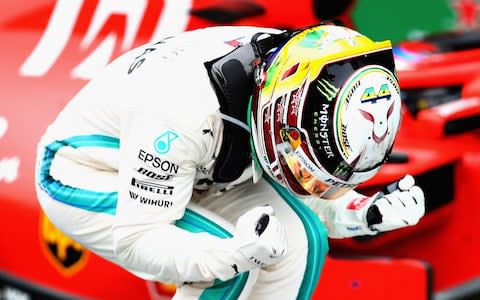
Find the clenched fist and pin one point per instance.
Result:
(260, 238)
(400, 204)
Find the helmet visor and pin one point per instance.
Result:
(302, 174)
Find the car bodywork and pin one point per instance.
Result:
(439, 143)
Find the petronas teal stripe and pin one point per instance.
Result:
(93, 140)
(224, 290)
(317, 241)
(85, 199)
(195, 222)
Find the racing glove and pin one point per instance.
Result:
(400, 204)
(260, 239)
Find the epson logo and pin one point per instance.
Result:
(152, 187)
(157, 162)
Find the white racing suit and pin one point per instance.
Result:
(125, 170)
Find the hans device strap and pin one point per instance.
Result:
(232, 77)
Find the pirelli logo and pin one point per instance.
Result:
(157, 188)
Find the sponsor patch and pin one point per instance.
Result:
(150, 201)
(163, 142)
(358, 203)
(153, 175)
(157, 162)
(152, 187)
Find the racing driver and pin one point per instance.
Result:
(221, 159)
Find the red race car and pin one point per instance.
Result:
(439, 143)
(51, 49)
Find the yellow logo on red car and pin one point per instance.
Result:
(65, 254)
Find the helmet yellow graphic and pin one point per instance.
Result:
(325, 117)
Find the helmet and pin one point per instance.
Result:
(325, 110)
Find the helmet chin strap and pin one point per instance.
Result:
(232, 79)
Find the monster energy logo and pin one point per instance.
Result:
(327, 89)
(342, 170)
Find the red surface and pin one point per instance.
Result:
(445, 238)
(373, 278)
(29, 102)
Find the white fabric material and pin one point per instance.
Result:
(261, 244)
(163, 112)
(277, 281)
(158, 102)
(280, 280)
(346, 216)
(402, 207)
